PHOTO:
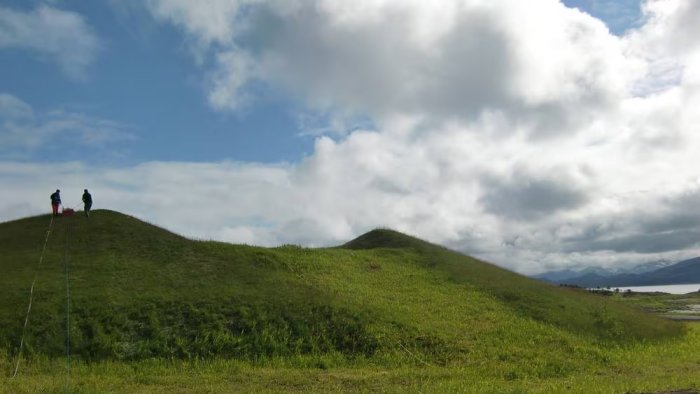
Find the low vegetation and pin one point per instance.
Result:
(151, 311)
(674, 306)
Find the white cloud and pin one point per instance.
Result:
(13, 108)
(229, 81)
(666, 43)
(24, 130)
(445, 60)
(62, 35)
(208, 24)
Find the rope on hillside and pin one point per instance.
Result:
(66, 271)
(413, 355)
(31, 298)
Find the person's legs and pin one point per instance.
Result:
(87, 209)
(54, 207)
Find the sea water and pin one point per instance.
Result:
(671, 289)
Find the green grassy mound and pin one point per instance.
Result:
(568, 308)
(139, 292)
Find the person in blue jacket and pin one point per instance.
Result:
(55, 201)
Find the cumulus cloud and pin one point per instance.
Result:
(669, 223)
(210, 24)
(443, 61)
(527, 198)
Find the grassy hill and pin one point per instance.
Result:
(138, 292)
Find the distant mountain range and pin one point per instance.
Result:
(658, 273)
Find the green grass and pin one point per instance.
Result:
(636, 369)
(661, 303)
(153, 312)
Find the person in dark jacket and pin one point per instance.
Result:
(87, 201)
(55, 201)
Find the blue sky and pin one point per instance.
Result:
(618, 15)
(525, 133)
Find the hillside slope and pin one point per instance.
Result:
(138, 291)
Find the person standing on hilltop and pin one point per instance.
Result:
(55, 201)
(87, 200)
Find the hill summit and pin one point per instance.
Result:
(138, 291)
(384, 238)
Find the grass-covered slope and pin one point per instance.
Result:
(138, 291)
(568, 308)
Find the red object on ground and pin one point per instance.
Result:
(68, 212)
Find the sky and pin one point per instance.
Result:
(537, 135)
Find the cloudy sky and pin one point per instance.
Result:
(536, 135)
